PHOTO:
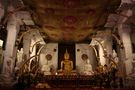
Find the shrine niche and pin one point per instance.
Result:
(71, 51)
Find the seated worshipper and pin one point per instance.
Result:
(105, 69)
(66, 64)
(88, 68)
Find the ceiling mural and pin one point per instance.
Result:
(71, 20)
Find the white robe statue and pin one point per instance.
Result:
(46, 69)
(116, 59)
(88, 68)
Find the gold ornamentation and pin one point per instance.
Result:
(66, 64)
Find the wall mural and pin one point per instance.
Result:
(81, 18)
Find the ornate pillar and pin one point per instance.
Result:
(101, 56)
(124, 32)
(1, 12)
(26, 45)
(108, 43)
(9, 56)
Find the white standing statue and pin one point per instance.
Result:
(115, 57)
(88, 68)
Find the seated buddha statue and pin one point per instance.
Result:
(88, 68)
(66, 64)
(46, 69)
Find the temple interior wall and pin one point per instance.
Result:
(80, 50)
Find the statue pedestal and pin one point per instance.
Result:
(62, 72)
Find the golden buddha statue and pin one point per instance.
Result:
(66, 64)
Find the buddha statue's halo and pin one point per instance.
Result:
(84, 56)
(48, 57)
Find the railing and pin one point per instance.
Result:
(106, 80)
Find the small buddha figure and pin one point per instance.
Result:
(46, 69)
(88, 68)
(115, 57)
(66, 64)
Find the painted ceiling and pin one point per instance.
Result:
(71, 20)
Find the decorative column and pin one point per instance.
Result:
(26, 45)
(101, 56)
(108, 43)
(1, 12)
(124, 32)
(9, 56)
